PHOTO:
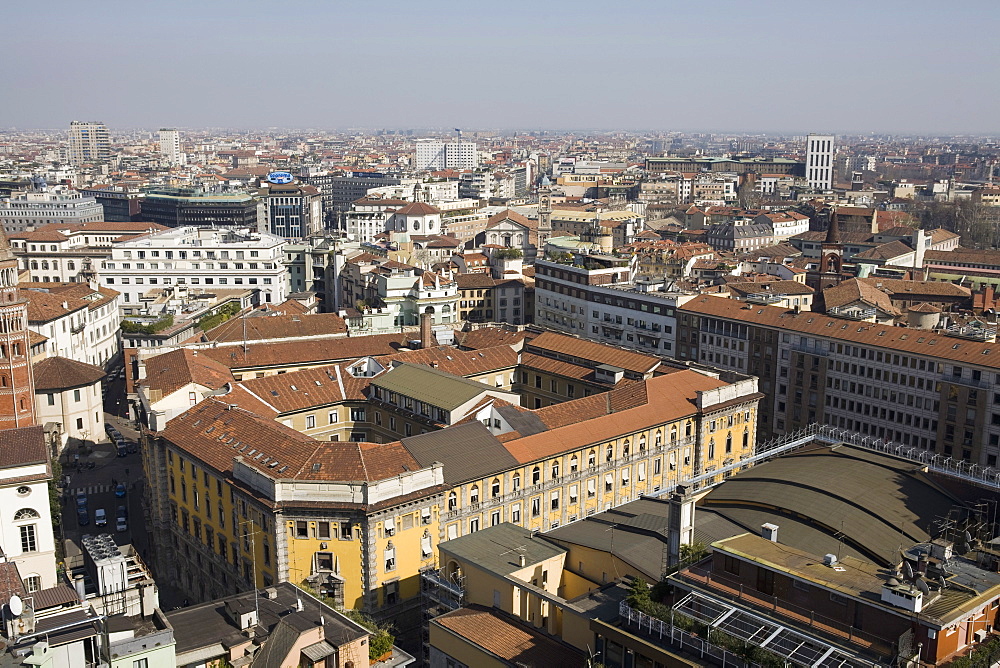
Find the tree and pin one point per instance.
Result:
(692, 552)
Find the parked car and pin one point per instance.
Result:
(100, 517)
(81, 500)
(121, 524)
(122, 512)
(83, 517)
(120, 490)
(121, 447)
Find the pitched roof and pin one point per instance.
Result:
(514, 642)
(886, 251)
(468, 451)
(430, 385)
(171, 371)
(418, 209)
(22, 445)
(854, 290)
(295, 325)
(512, 216)
(61, 373)
(313, 352)
(599, 353)
(773, 287)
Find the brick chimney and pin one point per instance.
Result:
(426, 333)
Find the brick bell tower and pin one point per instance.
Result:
(17, 382)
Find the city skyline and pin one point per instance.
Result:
(661, 66)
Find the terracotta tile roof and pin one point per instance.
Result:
(418, 209)
(312, 352)
(93, 299)
(513, 642)
(488, 337)
(463, 363)
(512, 216)
(894, 339)
(260, 328)
(902, 289)
(22, 445)
(941, 235)
(10, 582)
(216, 433)
(171, 371)
(45, 307)
(963, 256)
(609, 415)
(854, 290)
(474, 281)
(561, 344)
(306, 388)
(61, 373)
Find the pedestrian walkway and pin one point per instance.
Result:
(92, 489)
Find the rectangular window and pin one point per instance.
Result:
(322, 530)
(28, 542)
(301, 529)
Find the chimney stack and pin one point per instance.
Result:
(426, 333)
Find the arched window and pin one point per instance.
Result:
(516, 481)
(34, 264)
(711, 449)
(746, 438)
(673, 434)
(474, 494)
(642, 443)
(610, 454)
(555, 469)
(729, 443)
(536, 475)
(3, 381)
(625, 448)
(659, 438)
(687, 429)
(26, 514)
(45, 265)
(592, 458)
(55, 264)
(574, 464)
(71, 265)
(452, 501)
(495, 488)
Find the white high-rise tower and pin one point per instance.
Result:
(88, 142)
(170, 146)
(819, 161)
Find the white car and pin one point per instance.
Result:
(100, 517)
(121, 524)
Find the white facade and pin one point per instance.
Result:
(80, 411)
(26, 526)
(819, 161)
(88, 142)
(200, 259)
(170, 147)
(81, 323)
(434, 155)
(26, 211)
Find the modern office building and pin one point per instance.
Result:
(180, 207)
(819, 161)
(433, 155)
(202, 259)
(170, 147)
(339, 190)
(120, 204)
(292, 210)
(88, 142)
(29, 210)
(928, 389)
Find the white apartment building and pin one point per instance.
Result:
(72, 252)
(433, 155)
(598, 298)
(26, 535)
(202, 258)
(170, 147)
(80, 322)
(29, 210)
(88, 142)
(819, 161)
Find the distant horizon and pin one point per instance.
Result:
(581, 65)
(770, 134)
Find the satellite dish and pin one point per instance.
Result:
(968, 537)
(922, 586)
(942, 583)
(16, 605)
(908, 570)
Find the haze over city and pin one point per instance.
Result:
(896, 67)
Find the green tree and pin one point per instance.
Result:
(692, 552)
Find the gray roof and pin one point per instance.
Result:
(496, 549)
(822, 495)
(207, 627)
(468, 451)
(635, 532)
(523, 422)
(435, 387)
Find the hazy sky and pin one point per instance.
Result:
(885, 65)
